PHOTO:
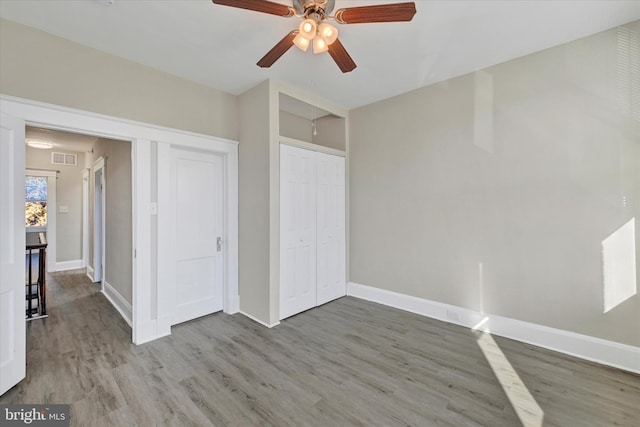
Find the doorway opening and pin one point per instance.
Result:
(149, 148)
(151, 308)
(77, 213)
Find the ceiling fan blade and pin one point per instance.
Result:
(278, 50)
(263, 6)
(341, 56)
(394, 12)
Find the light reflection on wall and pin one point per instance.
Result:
(628, 67)
(619, 265)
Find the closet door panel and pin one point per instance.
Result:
(331, 246)
(297, 230)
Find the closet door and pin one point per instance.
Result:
(331, 246)
(297, 230)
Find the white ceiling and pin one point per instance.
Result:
(65, 141)
(218, 46)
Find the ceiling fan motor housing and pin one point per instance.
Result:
(316, 8)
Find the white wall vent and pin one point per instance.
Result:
(64, 159)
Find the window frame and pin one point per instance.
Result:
(50, 228)
(38, 228)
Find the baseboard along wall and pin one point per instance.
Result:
(90, 273)
(119, 302)
(605, 352)
(255, 319)
(69, 265)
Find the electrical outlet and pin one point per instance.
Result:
(453, 315)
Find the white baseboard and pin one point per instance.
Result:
(609, 353)
(90, 273)
(148, 331)
(69, 265)
(255, 319)
(118, 301)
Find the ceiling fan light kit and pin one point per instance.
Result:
(322, 35)
(313, 30)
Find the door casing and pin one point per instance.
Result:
(99, 222)
(12, 252)
(149, 143)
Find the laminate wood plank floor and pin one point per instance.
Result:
(347, 363)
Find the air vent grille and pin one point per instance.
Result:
(64, 159)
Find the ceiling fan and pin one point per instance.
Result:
(315, 31)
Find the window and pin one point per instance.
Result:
(36, 201)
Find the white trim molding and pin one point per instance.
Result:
(90, 273)
(149, 321)
(255, 319)
(118, 301)
(597, 350)
(85, 216)
(69, 265)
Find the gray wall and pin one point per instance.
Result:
(39, 66)
(494, 191)
(295, 127)
(118, 222)
(68, 193)
(330, 130)
(253, 203)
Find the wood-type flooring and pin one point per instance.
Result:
(347, 363)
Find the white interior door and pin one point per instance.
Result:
(297, 230)
(197, 182)
(331, 260)
(12, 249)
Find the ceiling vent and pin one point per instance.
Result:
(64, 159)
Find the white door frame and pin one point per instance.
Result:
(99, 222)
(85, 218)
(51, 214)
(12, 249)
(149, 296)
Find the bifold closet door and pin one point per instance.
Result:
(297, 230)
(330, 231)
(312, 229)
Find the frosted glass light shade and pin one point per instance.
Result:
(308, 29)
(328, 32)
(320, 44)
(301, 42)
